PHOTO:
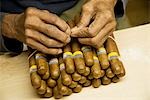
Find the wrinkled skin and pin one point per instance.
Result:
(48, 33)
(97, 22)
(39, 29)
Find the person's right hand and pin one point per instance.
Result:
(39, 29)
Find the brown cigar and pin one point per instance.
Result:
(54, 68)
(115, 79)
(35, 78)
(78, 57)
(68, 59)
(96, 68)
(88, 55)
(103, 58)
(83, 80)
(109, 73)
(105, 80)
(49, 93)
(76, 77)
(66, 78)
(56, 93)
(112, 51)
(47, 74)
(51, 83)
(77, 89)
(41, 62)
(96, 83)
(87, 83)
(43, 87)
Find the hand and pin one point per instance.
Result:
(97, 22)
(39, 29)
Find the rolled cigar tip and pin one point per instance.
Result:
(67, 81)
(117, 69)
(90, 62)
(81, 69)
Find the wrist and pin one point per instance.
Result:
(8, 26)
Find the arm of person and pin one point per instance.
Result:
(98, 21)
(37, 28)
(8, 44)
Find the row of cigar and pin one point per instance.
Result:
(79, 66)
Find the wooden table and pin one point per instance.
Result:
(134, 46)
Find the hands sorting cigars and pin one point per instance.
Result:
(80, 66)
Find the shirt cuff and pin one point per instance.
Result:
(12, 45)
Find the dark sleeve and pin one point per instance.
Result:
(13, 45)
(8, 44)
(119, 9)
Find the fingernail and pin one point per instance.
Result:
(68, 39)
(59, 51)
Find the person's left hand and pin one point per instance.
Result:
(97, 22)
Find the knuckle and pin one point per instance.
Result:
(27, 41)
(86, 8)
(108, 15)
(92, 33)
(30, 10)
(46, 11)
(54, 19)
(94, 42)
(27, 32)
(114, 24)
(32, 20)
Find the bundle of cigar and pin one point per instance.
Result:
(79, 66)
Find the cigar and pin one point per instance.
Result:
(66, 78)
(77, 89)
(96, 83)
(35, 78)
(103, 58)
(82, 80)
(42, 89)
(109, 73)
(87, 83)
(41, 62)
(49, 93)
(113, 55)
(78, 57)
(51, 82)
(88, 55)
(54, 68)
(68, 59)
(96, 68)
(105, 80)
(115, 79)
(47, 74)
(61, 88)
(56, 93)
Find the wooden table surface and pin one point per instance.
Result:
(134, 46)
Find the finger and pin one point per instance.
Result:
(48, 42)
(86, 15)
(99, 22)
(80, 32)
(71, 23)
(89, 41)
(105, 31)
(48, 17)
(100, 38)
(35, 45)
(35, 23)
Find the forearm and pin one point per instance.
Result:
(7, 25)
(7, 41)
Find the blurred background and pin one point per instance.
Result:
(137, 13)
